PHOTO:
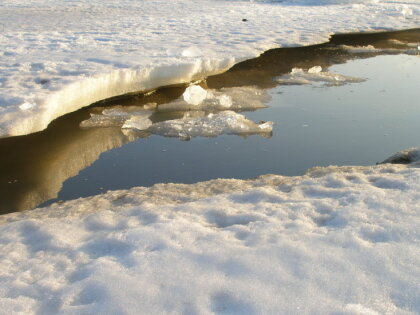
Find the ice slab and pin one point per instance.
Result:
(92, 50)
(200, 124)
(238, 98)
(315, 75)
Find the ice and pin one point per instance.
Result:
(238, 98)
(200, 124)
(337, 240)
(138, 122)
(194, 95)
(315, 75)
(116, 117)
(93, 50)
(406, 48)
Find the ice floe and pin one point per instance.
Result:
(195, 124)
(314, 75)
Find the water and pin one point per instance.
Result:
(353, 124)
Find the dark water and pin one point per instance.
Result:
(354, 124)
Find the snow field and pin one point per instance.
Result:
(58, 57)
(338, 240)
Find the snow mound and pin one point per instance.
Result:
(93, 50)
(338, 240)
(315, 75)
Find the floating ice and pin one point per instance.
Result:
(315, 74)
(194, 95)
(138, 122)
(117, 117)
(406, 48)
(238, 98)
(199, 124)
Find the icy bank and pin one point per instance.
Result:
(338, 240)
(57, 57)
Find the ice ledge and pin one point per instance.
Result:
(118, 82)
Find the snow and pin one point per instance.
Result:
(92, 50)
(338, 240)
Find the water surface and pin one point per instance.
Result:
(315, 125)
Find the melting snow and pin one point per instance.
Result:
(338, 240)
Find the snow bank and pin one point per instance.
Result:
(338, 240)
(59, 56)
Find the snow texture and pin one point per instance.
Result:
(58, 56)
(338, 240)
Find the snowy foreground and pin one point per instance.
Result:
(338, 240)
(58, 56)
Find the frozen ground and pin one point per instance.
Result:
(59, 56)
(338, 240)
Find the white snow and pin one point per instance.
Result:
(57, 57)
(338, 240)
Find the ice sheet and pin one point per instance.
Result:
(338, 240)
(59, 56)
(200, 124)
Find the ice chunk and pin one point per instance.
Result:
(194, 95)
(238, 98)
(210, 125)
(117, 117)
(315, 69)
(315, 74)
(138, 122)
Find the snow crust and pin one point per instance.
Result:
(92, 50)
(338, 240)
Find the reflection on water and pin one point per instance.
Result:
(33, 168)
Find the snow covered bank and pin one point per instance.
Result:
(338, 240)
(57, 57)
